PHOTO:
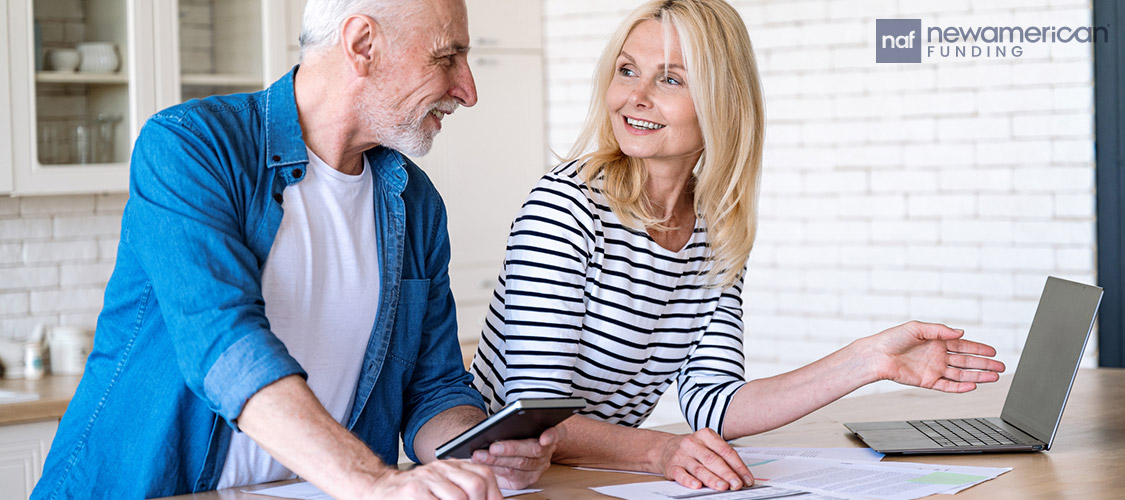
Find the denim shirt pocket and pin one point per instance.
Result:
(412, 302)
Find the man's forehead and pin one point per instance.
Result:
(442, 26)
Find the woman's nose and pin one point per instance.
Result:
(640, 95)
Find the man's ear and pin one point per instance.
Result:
(362, 41)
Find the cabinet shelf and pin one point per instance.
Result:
(221, 80)
(81, 78)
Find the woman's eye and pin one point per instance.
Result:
(671, 80)
(623, 71)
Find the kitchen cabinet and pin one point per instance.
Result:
(70, 128)
(23, 448)
(487, 158)
(27, 429)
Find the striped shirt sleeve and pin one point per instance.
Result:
(715, 370)
(544, 279)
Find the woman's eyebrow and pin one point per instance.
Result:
(661, 66)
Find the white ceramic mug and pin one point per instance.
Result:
(97, 57)
(69, 348)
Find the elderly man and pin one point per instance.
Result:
(280, 304)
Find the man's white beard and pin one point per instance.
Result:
(409, 136)
(409, 139)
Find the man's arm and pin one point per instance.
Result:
(286, 419)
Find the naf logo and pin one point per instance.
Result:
(898, 40)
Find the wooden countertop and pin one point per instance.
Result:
(54, 393)
(1086, 461)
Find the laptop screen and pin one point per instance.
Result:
(1050, 357)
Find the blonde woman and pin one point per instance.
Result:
(624, 269)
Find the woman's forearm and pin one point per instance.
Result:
(769, 403)
(592, 443)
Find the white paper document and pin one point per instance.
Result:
(752, 455)
(820, 478)
(985, 473)
(881, 481)
(667, 490)
(306, 491)
(757, 455)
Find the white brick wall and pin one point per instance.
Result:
(944, 191)
(56, 255)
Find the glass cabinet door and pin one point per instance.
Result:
(75, 96)
(220, 47)
(81, 82)
(82, 77)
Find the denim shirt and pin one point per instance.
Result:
(183, 340)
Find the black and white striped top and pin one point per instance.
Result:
(590, 308)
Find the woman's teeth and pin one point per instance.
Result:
(641, 124)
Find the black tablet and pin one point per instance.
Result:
(522, 419)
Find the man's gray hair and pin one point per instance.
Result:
(320, 26)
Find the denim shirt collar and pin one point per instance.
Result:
(285, 145)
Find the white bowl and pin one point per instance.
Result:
(63, 59)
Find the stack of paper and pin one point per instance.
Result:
(824, 473)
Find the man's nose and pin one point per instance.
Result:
(464, 88)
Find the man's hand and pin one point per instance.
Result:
(443, 479)
(519, 464)
(703, 459)
(934, 356)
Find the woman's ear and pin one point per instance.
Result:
(362, 41)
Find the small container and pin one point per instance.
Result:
(98, 57)
(69, 346)
(33, 361)
(64, 60)
(84, 143)
(107, 131)
(52, 146)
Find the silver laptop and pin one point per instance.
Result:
(1035, 400)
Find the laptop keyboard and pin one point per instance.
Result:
(963, 432)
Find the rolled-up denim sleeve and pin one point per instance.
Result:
(184, 222)
(439, 381)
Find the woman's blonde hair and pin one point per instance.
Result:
(722, 78)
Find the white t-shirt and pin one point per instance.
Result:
(321, 288)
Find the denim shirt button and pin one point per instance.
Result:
(276, 158)
(297, 173)
(277, 197)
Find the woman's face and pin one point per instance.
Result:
(649, 104)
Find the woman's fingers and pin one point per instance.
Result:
(970, 347)
(741, 473)
(974, 363)
(704, 459)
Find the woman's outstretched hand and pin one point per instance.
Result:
(934, 356)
